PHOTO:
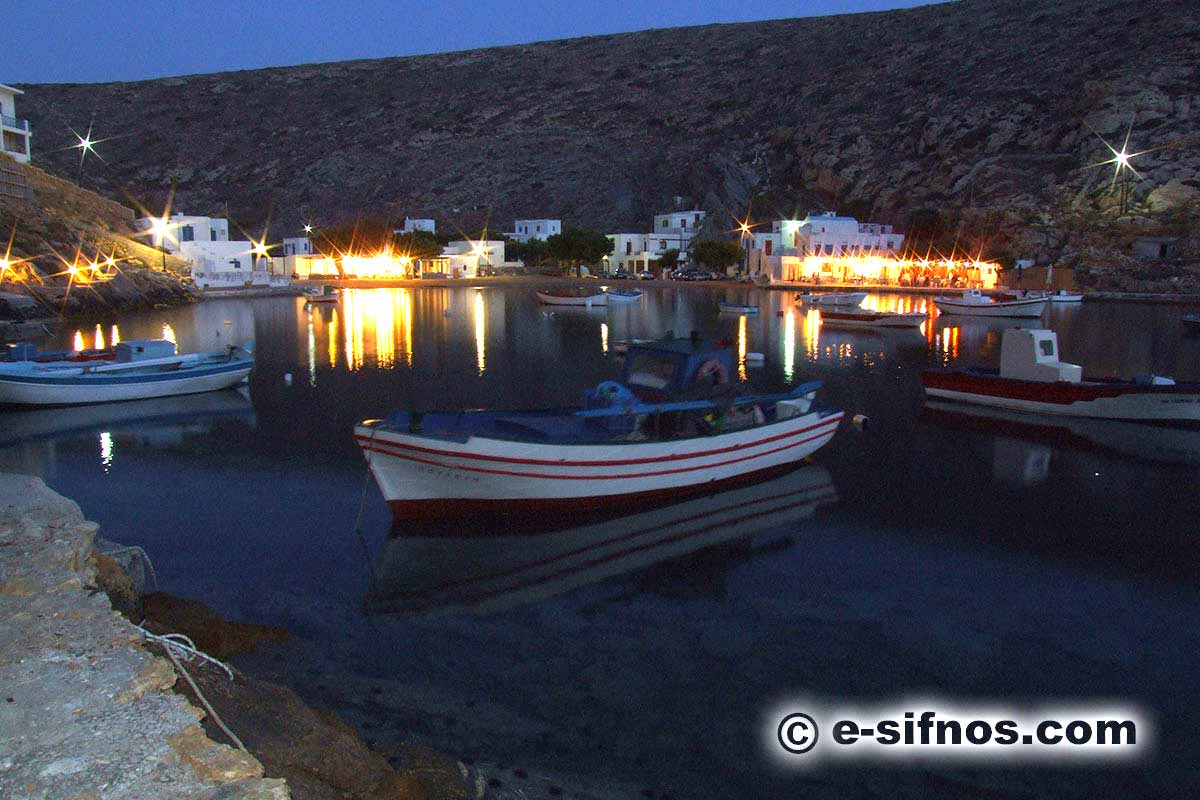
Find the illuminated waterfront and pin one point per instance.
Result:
(941, 555)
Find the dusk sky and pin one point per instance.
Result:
(53, 41)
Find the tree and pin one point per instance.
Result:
(532, 252)
(668, 259)
(576, 246)
(417, 245)
(717, 254)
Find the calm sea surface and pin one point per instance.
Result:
(930, 553)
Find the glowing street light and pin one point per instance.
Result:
(308, 228)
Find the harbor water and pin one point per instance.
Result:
(934, 551)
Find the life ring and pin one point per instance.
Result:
(713, 367)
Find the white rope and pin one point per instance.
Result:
(172, 642)
(112, 552)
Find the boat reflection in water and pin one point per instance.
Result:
(431, 570)
(1025, 441)
(28, 438)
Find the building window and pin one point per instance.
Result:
(212, 234)
(187, 234)
(683, 223)
(629, 248)
(697, 218)
(662, 244)
(235, 263)
(666, 222)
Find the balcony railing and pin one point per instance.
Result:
(13, 122)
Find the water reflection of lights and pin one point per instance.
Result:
(99, 337)
(106, 450)
(480, 333)
(789, 344)
(333, 337)
(78, 344)
(382, 317)
(741, 346)
(114, 337)
(312, 352)
(604, 337)
(168, 333)
(947, 344)
(812, 332)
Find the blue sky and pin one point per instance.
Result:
(54, 41)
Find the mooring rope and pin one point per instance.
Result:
(172, 642)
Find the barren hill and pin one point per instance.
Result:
(984, 105)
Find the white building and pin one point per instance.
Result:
(637, 252)
(15, 134)
(297, 246)
(216, 261)
(829, 235)
(543, 229)
(413, 225)
(465, 259)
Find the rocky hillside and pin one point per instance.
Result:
(987, 109)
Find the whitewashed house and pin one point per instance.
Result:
(527, 229)
(413, 225)
(465, 259)
(15, 134)
(637, 252)
(817, 247)
(216, 261)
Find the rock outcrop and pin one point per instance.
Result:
(86, 710)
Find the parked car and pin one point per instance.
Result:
(645, 276)
(621, 275)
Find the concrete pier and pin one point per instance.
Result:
(85, 710)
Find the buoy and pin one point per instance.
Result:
(860, 421)
(287, 378)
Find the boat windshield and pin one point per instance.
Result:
(651, 371)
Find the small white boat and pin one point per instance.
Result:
(736, 308)
(321, 294)
(832, 298)
(1031, 378)
(1063, 296)
(976, 304)
(872, 319)
(140, 369)
(623, 296)
(573, 299)
(651, 438)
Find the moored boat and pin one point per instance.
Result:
(139, 369)
(623, 296)
(321, 294)
(975, 303)
(674, 426)
(572, 298)
(872, 319)
(736, 308)
(1191, 323)
(832, 298)
(1031, 378)
(1063, 296)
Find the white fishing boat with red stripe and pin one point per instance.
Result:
(871, 319)
(672, 428)
(1031, 378)
(977, 304)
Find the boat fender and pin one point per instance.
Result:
(860, 421)
(713, 367)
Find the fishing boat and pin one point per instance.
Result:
(675, 425)
(623, 296)
(975, 303)
(832, 298)
(459, 567)
(1063, 296)
(1031, 378)
(872, 319)
(572, 298)
(321, 294)
(736, 308)
(139, 369)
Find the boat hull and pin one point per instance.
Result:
(836, 319)
(572, 300)
(1010, 308)
(1176, 404)
(428, 478)
(833, 299)
(733, 308)
(55, 391)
